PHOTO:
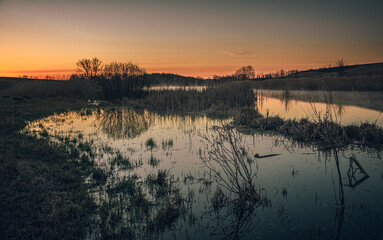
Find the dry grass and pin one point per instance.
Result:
(42, 194)
(324, 132)
(212, 99)
(49, 88)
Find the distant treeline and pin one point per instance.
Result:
(367, 77)
(119, 80)
(172, 79)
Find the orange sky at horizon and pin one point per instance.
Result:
(198, 71)
(198, 38)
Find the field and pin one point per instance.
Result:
(180, 164)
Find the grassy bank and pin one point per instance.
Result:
(320, 130)
(42, 190)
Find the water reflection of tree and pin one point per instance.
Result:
(124, 123)
(286, 100)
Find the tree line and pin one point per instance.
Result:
(114, 80)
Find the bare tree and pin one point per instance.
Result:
(85, 67)
(119, 79)
(89, 67)
(340, 63)
(96, 66)
(123, 70)
(245, 72)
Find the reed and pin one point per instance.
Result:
(212, 99)
(321, 130)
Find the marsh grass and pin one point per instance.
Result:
(150, 144)
(121, 161)
(153, 161)
(232, 165)
(321, 130)
(41, 194)
(167, 144)
(42, 191)
(125, 205)
(215, 100)
(138, 209)
(78, 88)
(53, 188)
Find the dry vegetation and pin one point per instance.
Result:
(50, 88)
(42, 193)
(321, 130)
(213, 100)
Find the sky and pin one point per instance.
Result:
(193, 38)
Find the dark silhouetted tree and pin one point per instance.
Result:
(85, 67)
(340, 63)
(96, 66)
(89, 67)
(118, 80)
(245, 72)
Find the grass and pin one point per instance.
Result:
(167, 144)
(135, 209)
(230, 163)
(43, 190)
(45, 195)
(49, 88)
(323, 132)
(42, 193)
(150, 144)
(40, 196)
(122, 162)
(213, 100)
(153, 161)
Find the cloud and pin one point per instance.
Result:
(236, 54)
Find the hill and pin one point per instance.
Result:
(364, 77)
(172, 79)
(373, 69)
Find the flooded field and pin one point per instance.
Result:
(346, 107)
(157, 177)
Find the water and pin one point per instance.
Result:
(173, 88)
(299, 187)
(346, 107)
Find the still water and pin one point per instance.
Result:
(299, 187)
(345, 107)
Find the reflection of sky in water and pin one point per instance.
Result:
(345, 114)
(307, 174)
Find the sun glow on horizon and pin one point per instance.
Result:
(196, 38)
